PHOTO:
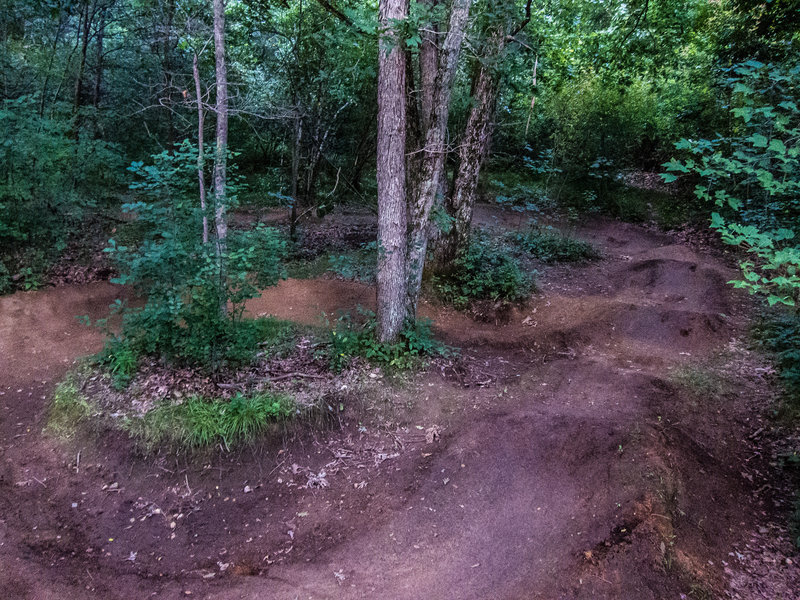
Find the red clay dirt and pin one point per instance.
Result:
(581, 469)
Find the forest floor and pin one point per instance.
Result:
(608, 441)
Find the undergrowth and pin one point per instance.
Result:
(699, 381)
(487, 270)
(549, 245)
(357, 265)
(780, 336)
(69, 409)
(197, 422)
(357, 338)
(244, 340)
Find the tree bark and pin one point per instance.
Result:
(428, 65)
(221, 156)
(201, 159)
(98, 76)
(427, 184)
(83, 28)
(391, 171)
(296, 146)
(477, 138)
(474, 147)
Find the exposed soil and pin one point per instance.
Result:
(561, 457)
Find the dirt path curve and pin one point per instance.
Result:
(585, 472)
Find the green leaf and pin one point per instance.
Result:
(758, 140)
(777, 146)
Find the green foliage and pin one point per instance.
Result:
(485, 271)
(550, 245)
(69, 409)
(702, 382)
(523, 198)
(197, 423)
(357, 338)
(780, 335)
(598, 127)
(359, 265)
(186, 282)
(49, 179)
(121, 360)
(753, 177)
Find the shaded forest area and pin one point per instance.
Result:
(400, 298)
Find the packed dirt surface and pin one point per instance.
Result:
(571, 453)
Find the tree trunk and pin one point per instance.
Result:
(220, 158)
(201, 158)
(98, 75)
(428, 65)
(391, 171)
(427, 184)
(296, 146)
(168, 72)
(86, 23)
(472, 151)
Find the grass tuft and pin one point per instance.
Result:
(69, 410)
(197, 423)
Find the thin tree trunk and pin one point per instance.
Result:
(296, 146)
(473, 149)
(391, 277)
(98, 76)
(461, 200)
(427, 184)
(168, 74)
(428, 65)
(220, 158)
(86, 22)
(61, 21)
(363, 153)
(201, 159)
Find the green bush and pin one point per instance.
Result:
(781, 337)
(49, 180)
(485, 271)
(752, 177)
(184, 281)
(550, 245)
(357, 338)
(198, 423)
(598, 122)
(359, 265)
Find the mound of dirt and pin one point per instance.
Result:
(558, 458)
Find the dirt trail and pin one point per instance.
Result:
(585, 472)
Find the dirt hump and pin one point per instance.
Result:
(583, 472)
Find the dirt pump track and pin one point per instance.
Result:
(581, 471)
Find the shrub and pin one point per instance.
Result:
(485, 271)
(351, 338)
(49, 180)
(359, 265)
(184, 280)
(781, 336)
(198, 422)
(752, 177)
(550, 245)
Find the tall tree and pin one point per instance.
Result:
(474, 146)
(391, 174)
(221, 150)
(426, 182)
